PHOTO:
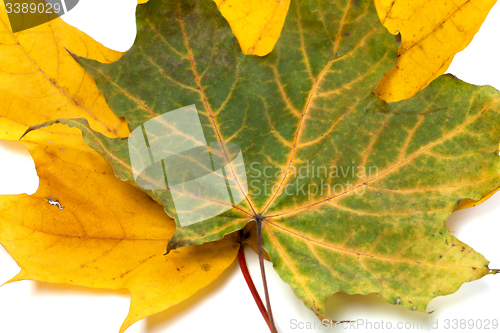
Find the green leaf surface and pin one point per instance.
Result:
(354, 192)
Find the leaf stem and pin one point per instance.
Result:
(258, 222)
(251, 285)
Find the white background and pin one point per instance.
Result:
(227, 305)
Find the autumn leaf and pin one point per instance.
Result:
(369, 215)
(432, 32)
(102, 233)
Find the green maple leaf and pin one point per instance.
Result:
(395, 171)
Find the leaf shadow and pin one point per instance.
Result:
(342, 306)
(370, 308)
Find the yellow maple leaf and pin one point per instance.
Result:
(38, 74)
(256, 24)
(432, 32)
(83, 226)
